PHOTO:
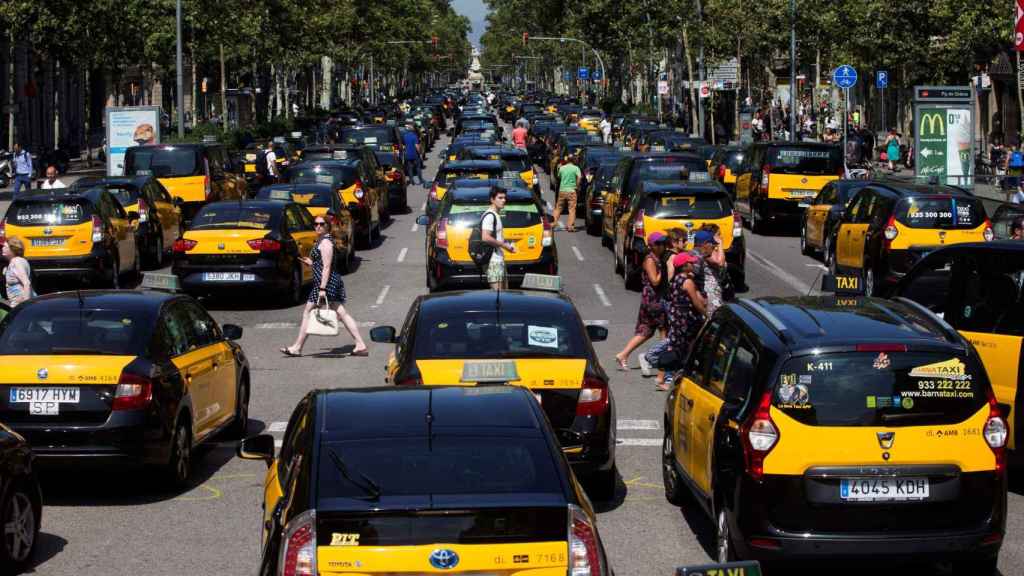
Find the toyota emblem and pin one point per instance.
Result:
(444, 559)
(42, 373)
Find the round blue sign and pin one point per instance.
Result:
(844, 76)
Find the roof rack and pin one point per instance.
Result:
(772, 320)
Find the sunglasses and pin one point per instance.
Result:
(320, 223)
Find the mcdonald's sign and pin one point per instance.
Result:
(935, 122)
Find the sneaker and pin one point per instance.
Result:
(645, 366)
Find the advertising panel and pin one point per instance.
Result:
(127, 127)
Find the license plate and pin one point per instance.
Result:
(883, 489)
(802, 193)
(44, 401)
(228, 277)
(250, 168)
(43, 242)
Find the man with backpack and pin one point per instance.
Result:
(1014, 169)
(488, 250)
(266, 165)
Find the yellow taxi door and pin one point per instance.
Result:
(690, 399)
(293, 449)
(853, 231)
(197, 362)
(167, 212)
(121, 228)
(223, 377)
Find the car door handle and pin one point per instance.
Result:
(689, 401)
(711, 418)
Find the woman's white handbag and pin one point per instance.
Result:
(322, 322)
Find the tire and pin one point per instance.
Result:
(178, 470)
(431, 281)
(674, 489)
(346, 264)
(21, 518)
(293, 294)
(366, 242)
(976, 565)
(870, 288)
(725, 551)
(805, 249)
(828, 255)
(605, 241)
(241, 424)
(756, 222)
(602, 484)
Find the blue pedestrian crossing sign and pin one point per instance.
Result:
(844, 76)
(882, 79)
(583, 73)
(567, 75)
(596, 74)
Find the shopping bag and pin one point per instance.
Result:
(322, 321)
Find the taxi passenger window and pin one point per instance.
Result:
(930, 284)
(989, 295)
(294, 220)
(291, 444)
(202, 329)
(175, 331)
(740, 372)
(700, 355)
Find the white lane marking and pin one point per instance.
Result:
(602, 296)
(369, 324)
(423, 206)
(280, 426)
(402, 253)
(415, 227)
(797, 284)
(383, 294)
(638, 441)
(596, 322)
(579, 255)
(276, 326)
(821, 267)
(625, 424)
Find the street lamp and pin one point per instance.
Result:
(181, 77)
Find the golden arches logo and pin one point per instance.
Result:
(930, 120)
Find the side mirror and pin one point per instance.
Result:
(232, 331)
(259, 447)
(597, 333)
(179, 201)
(383, 334)
(423, 220)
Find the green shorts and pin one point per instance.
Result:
(495, 271)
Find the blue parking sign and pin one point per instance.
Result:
(596, 74)
(584, 73)
(882, 79)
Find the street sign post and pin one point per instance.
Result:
(596, 75)
(943, 134)
(845, 77)
(882, 82)
(583, 73)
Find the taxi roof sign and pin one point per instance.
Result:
(546, 282)
(748, 568)
(296, 134)
(843, 284)
(489, 371)
(163, 282)
(340, 154)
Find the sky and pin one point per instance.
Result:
(476, 12)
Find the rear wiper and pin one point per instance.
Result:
(371, 488)
(73, 350)
(900, 418)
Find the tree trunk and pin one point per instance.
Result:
(223, 92)
(739, 83)
(195, 96)
(689, 74)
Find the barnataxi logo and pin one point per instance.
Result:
(952, 369)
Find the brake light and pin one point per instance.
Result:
(593, 399)
(546, 235)
(97, 229)
(143, 210)
(183, 245)
(359, 194)
(890, 232)
(987, 233)
(207, 187)
(441, 240)
(765, 173)
(881, 348)
(298, 551)
(584, 554)
(264, 244)
(737, 225)
(759, 435)
(134, 392)
(638, 225)
(721, 171)
(996, 431)
(393, 175)
(3, 231)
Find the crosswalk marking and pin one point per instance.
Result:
(626, 424)
(277, 427)
(401, 254)
(638, 442)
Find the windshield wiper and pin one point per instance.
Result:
(371, 488)
(74, 350)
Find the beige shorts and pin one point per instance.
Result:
(569, 197)
(495, 271)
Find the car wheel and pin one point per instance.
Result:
(346, 263)
(828, 255)
(869, 281)
(241, 423)
(805, 249)
(756, 223)
(179, 464)
(723, 536)
(669, 477)
(294, 294)
(431, 281)
(605, 241)
(21, 512)
(602, 484)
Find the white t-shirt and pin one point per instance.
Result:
(1017, 197)
(497, 229)
(606, 130)
(271, 162)
(56, 184)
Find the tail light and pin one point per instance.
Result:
(134, 392)
(737, 225)
(765, 173)
(987, 233)
(441, 238)
(359, 193)
(393, 175)
(97, 229)
(638, 225)
(433, 192)
(264, 244)
(298, 549)
(995, 431)
(721, 171)
(143, 210)
(593, 399)
(584, 554)
(183, 245)
(546, 235)
(759, 435)
(207, 187)
(890, 232)
(3, 231)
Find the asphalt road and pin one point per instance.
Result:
(103, 522)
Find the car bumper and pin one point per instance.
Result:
(779, 210)
(452, 274)
(131, 436)
(89, 268)
(589, 445)
(265, 274)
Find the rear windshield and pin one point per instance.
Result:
(733, 160)
(705, 205)
(233, 216)
(519, 215)
(316, 198)
(880, 389)
(162, 162)
(802, 160)
(515, 334)
(940, 212)
(42, 330)
(125, 194)
(449, 175)
(372, 137)
(49, 213)
(335, 176)
(517, 164)
(653, 171)
(439, 465)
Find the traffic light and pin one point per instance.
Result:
(526, 39)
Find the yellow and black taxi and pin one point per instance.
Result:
(450, 479)
(394, 176)
(976, 288)
(252, 246)
(196, 173)
(78, 236)
(662, 205)
(24, 510)
(516, 160)
(525, 225)
(123, 376)
(159, 217)
(319, 199)
(839, 426)
(776, 177)
(888, 226)
(453, 170)
(670, 141)
(359, 183)
(725, 163)
(378, 138)
(822, 215)
(534, 339)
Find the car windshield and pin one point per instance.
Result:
(703, 205)
(450, 175)
(880, 389)
(811, 161)
(319, 197)
(335, 176)
(125, 193)
(944, 212)
(671, 171)
(162, 162)
(49, 213)
(232, 216)
(485, 334)
(39, 329)
(377, 138)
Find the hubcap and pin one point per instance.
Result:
(723, 537)
(20, 527)
(183, 449)
(869, 282)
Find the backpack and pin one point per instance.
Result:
(479, 251)
(1017, 159)
(261, 163)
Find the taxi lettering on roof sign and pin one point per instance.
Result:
(727, 569)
